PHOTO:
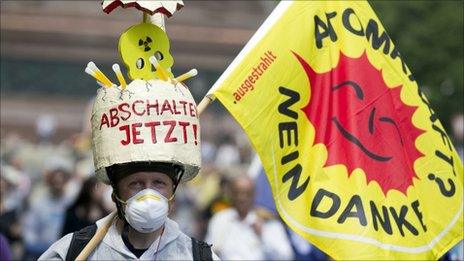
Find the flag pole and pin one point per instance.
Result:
(96, 239)
(207, 100)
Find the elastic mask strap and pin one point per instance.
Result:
(181, 173)
(122, 202)
(119, 206)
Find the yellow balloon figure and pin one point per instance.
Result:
(138, 43)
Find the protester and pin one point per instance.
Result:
(5, 250)
(227, 154)
(43, 221)
(45, 127)
(87, 208)
(244, 232)
(217, 202)
(302, 249)
(220, 202)
(144, 175)
(15, 198)
(9, 216)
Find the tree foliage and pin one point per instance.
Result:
(429, 35)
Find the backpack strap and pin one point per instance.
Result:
(79, 241)
(201, 251)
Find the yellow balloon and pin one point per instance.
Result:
(138, 43)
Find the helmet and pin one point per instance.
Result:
(146, 122)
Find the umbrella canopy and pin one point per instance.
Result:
(150, 7)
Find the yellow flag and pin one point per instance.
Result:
(357, 160)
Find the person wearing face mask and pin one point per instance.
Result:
(144, 157)
(144, 195)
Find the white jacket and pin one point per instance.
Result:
(174, 245)
(235, 239)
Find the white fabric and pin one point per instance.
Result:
(174, 245)
(235, 239)
(42, 224)
(227, 155)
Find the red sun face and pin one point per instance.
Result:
(363, 123)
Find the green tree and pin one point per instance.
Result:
(429, 35)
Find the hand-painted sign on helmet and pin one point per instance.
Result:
(152, 118)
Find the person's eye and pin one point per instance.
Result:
(159, 182)
(135, 184)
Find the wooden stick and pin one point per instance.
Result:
(96, 239)
(118, 73)
(187, 75)
(204, 103)
(160, 71)
(99, 74)
(99, 79)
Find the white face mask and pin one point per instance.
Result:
(146, 211)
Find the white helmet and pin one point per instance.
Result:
(148, 121)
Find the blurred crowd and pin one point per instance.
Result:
(48, 190)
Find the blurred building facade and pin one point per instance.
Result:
(45, 46)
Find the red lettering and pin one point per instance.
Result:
(174, 107)
(121, 108)
(166, 107)
(154, 106)
(184, 125)
(184, 103)
(193, 110)
(126, 129)
(152, 126)
(114, 120)
(104, 120)
(135, 111)
(195, 127)
(136, 133)
(168, 137)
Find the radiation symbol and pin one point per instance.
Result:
(138, 43)
(145, 43)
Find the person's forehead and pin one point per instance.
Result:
(146, 175)
(57, 173)
(242, 184)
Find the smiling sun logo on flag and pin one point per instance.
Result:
(367, 125)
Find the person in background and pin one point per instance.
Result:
(227, 154)
(45, 125)
(9, 225)
(17, 197)
(5, 250)
(87, 208)
(219, 202)
(302, 249)
(43, 222)
(243, 232)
